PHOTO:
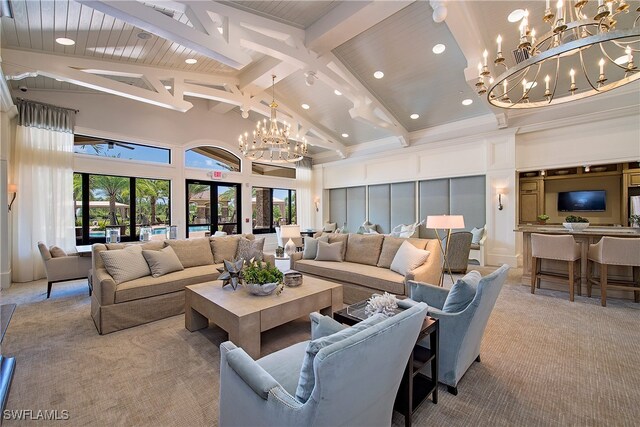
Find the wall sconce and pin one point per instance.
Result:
(13, 188)
(543, 172)
(316, 202)
(500, 207)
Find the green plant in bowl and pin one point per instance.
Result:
(262, 279)
(542, 219)
(575, 223)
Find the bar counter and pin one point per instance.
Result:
(591, 234)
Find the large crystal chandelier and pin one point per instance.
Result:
(583, 54)
(270, 140)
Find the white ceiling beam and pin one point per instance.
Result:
(211, 44)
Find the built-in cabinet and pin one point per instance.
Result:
(531, 199)
(630, 188)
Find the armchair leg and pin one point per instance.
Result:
(452, 390)
(478, 359)
(49, 289)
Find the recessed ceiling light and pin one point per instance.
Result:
(345, 135)
(531, 85)
(65, 41)
(378, 74)
(221, 30)
(305, 106)
(191, 61)
(143, 35)
(621, 60)
(467, 102)
(167, 87)
(337, 92)
(438, 49)
(415, 116)
(516, 15)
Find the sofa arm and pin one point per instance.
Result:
(297, 256)
(104, 287)
(434, 296)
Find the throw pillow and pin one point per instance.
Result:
(192, 252)
(329, 251)
(125, 264)
(311, 246)
(57, 251)
(477, 235)
(408, 258)
(224, 248)
(462, 293)
(250, 249)
(330, 227)
(364, 249)
(335, 237)
(163, 261)
(307, 377)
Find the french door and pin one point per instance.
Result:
(211, 207)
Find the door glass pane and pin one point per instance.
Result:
(152, 205)
(280, 207)
(293, 215)
(109, 204)
(261, 209)
(199, 197)
(77, 197)
(196, 231)
(227, 209)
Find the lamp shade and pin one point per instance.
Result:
(289, 231)
(12, 188)
(446, 222)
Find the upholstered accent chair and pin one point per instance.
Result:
(458, 248)
(614, 251)
(356, 379)
(64, 268)
(559, 248)
(478, 249)
(460, 332)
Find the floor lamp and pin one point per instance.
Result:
(445, 222)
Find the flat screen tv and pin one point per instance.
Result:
(582, 201)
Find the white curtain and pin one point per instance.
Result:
(304, 200)
(43, 209)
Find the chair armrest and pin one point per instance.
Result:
(297, 256)
(104, 287)
(434, 296)
(322, 326)
(67, 268)
(251, 373)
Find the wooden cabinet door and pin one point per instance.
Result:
(529, 203)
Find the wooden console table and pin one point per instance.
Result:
(7, 364)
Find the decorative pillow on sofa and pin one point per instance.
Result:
(462, 293)
(408, 257)
(250, 249)
(330, 227)
(224, 248)
(311, 246)
(336, 237)
(364, 249)
(163, 261)
(307, 378)
(477, 235)
(329, 251)
(192, 252)
(125, 264)
(390, 247)
(57, 252)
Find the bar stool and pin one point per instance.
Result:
(614, 251)
(561, 248)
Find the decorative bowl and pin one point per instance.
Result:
(575, 226)
(293, 279)
(261, 290)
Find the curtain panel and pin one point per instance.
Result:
(304, 200)
(43, 209)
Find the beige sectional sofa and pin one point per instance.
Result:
(365, 269)
(146, 299)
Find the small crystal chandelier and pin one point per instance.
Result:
(271, 140)
(580, 49)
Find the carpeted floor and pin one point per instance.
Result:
(545, 361)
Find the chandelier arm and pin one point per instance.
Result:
(584, 70)
(604, 52)
(555, 81)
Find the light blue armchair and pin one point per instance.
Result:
(356, 379)
(460, 333)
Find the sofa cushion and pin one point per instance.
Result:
(311, 246)
(475, 246)
(364, 249)
(224, 248)
(333, 237)
(307, 376)
(250, 249)
(162, 262)
(390, 247)
(408, 258)
(192, 252)
(57, 252)
(462, 293)
(329, 251)
(150, 286)
(330, 227)
(380, 279)
(125, 264)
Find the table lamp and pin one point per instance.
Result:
(445, 222)
(289, 232)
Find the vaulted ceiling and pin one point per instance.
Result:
(137, 49)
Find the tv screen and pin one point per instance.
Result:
(582, 201)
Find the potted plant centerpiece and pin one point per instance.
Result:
(542, 219)
(575, 223)
(262, 280)
(635, 221)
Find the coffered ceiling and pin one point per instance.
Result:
(137, 49)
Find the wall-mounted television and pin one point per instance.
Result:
(582, 201)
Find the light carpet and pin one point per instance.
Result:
(545, 361)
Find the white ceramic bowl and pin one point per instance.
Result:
(575, 226)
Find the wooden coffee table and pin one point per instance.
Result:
(245, 316)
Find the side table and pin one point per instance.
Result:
(415, 386)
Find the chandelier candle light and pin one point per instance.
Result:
(271, 140)
(583, 54)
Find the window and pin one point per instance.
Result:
(201, 196)
(120, 150)
(212, 158)
(128, 203)
(273, 170)
(271, 208)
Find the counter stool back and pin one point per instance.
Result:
(614, 251)
(560, 248)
